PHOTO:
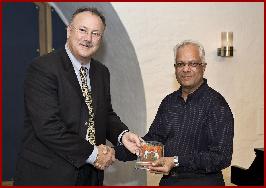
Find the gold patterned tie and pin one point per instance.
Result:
(90, 135)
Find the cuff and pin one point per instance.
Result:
(93, 156)
(120, 137)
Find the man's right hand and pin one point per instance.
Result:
(105, 157)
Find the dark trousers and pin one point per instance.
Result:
(88, 175)
(193, 179)
(30, 173)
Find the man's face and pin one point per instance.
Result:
(189, 76)
(84, 35)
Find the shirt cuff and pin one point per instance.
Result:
(120, 137)
(93, 156)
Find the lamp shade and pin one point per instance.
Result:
(227, 39)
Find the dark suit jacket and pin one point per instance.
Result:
(54, 148)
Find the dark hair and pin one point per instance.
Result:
(93, 10)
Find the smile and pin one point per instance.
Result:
(87, 45)
(186, 77)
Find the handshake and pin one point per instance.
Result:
(106, 154)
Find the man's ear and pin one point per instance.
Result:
(68, 31)
(204, 67)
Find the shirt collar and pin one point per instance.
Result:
(197, 92)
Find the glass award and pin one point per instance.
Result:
(150, 151)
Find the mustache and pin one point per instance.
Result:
(87, 44)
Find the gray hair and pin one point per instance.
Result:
(93, 10)
(194, 43)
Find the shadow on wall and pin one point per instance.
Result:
(128, 99)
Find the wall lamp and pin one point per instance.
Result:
(227, 48)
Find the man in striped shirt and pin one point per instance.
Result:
(194, 123)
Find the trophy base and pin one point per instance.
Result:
(142, 165)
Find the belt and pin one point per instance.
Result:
(178, 174)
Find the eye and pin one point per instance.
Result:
(97, 34)
(180, 64)
(194, 64)
(83, 31)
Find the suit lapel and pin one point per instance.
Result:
(70, 73)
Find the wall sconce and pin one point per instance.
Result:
(226, 49)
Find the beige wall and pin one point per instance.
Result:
(155, 28)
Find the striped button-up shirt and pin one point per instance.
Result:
(199, 130)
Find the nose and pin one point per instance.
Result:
(186, 68)
(88, 37)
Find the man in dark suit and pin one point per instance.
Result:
(68, 112)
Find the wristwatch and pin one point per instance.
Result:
(176, 161)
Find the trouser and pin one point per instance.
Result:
(88, 175)
(36, 173)
(193, 179)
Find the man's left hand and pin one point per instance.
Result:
(162, 165)
(132, 142)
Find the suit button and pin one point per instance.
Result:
(86, 123)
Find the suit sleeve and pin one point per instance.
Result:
(43, 108)
(114, 126)
(123, 154)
